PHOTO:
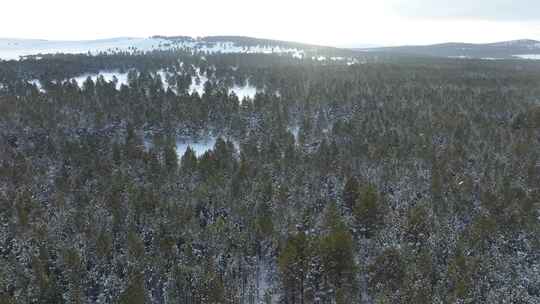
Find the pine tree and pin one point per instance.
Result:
(171, 158)
(135, 290)
(387, 273)
(337, 258)
(368, 210)
(293, 264)
(419, 225)
(264, 223)
(189, 161)
(351, 192)
(460, 271)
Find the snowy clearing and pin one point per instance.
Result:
(197, 85)
(198, 82)
(107, 75)
(198, 146)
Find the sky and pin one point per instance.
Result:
(336, 22)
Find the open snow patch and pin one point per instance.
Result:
(109, 76)
(13, 49)
(198, 82)
(38, 84)
(528, 56)
(199, 146)
(247, 91)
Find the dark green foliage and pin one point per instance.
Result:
(419, 224)
(264, 220)
(189, 160)
(388, 271)
(432, 165)
(171, 158)
(351, 192)
(337, 257)
(368, 209)
(461, 270)
(293, 265)
(135, 290)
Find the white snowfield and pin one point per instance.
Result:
(526, 43)
(197, 85)
(529, 56)
(231, 47)
(14, 49)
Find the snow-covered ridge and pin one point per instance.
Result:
(14, 49)
(523, 43)
(528, 56)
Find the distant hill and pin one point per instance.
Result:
(16, 48)
(240, 41)
(525, 49)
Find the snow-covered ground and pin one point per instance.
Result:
(107, 75)
(199, 146)
(231, 47)
(529, 56)
(13, 49)
(37, 83)
(198, 82)
(247, 91)
(295, 130)
(347, 60)
(530, 44)
(460, 57)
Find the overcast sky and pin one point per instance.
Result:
(335, 22)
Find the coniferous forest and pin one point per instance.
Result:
(389, 180)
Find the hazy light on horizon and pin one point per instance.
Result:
(338, 22)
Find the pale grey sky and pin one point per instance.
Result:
(500, 10)
(336, 22)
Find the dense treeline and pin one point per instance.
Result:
(403, 181)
